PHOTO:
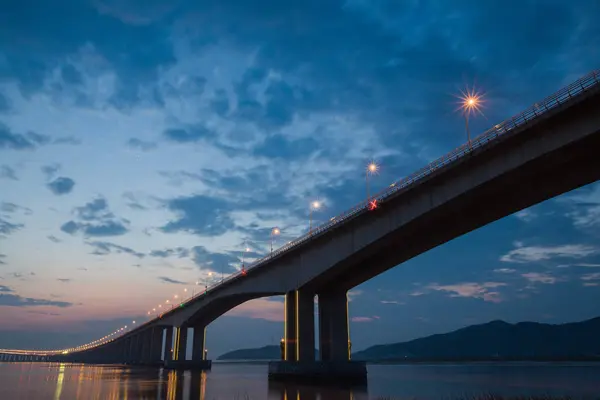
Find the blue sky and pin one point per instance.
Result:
(143, 142)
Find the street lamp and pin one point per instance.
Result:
(206, 282)
(471, 102)
(246, 248)
(372, 169)
(274, 231)
(315, 205)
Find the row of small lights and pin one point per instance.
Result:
(471, 103)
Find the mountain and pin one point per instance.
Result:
(493, 340)
(498, 340)
(263, 353)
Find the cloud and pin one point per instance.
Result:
(7, 228)
(53, 238)
(67, 140)
(364, 319)
(7, 172)
(9, 299)
(526, 215)
(591, 277)
(95, 219)
(214, 261)
(505, 270)
(104, 248)
(4, 103)
(472, 290)
(64, 280)
(537, 277)
(200, 215)
(50, 170)
(179, 252)
(392, 302)
(17, 141)
(5, 289)
(2, 256)
(138, 144)
(188, 135)
(540, 253)
(61, 185)
(169, 280)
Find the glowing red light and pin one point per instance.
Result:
(372, 205)
(244, 272)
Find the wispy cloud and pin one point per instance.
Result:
(538, 277)
(64, 280)
(170, 280)
(526, 215)
(591, 277)
(505, 270)
(365, 319)
(471, 289)
(391, 302)
(541, 253)
(7, 172)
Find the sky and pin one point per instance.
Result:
(145, 144)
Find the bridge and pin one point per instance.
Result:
(549, 149)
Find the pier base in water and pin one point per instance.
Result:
(201, 365)
(347, 373)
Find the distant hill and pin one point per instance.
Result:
(493, 340)
(263, 353)
(498, 340)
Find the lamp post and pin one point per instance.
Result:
(206, 282)
(471, 102)
(315, 205)
(372, 168)
(246, 248)
(274, 231)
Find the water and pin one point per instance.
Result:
(38, 381)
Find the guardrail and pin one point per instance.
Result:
(550, 103)
(538, 109)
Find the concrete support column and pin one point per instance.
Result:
(305, 325)
(134, 353)
(156, 339)
(299, 331)
(181, 343)
(290, 323)
(168, 354)
(333, 326)
(146, 346)
(199, 343)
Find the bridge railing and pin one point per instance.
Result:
(537, 110)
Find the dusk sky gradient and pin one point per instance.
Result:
(143, 141)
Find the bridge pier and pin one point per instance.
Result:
(299, 363)
(168, 353)
(155, 338)
(198, 361)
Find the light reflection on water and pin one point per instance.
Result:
(37, 381)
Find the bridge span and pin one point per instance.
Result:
(549, 149)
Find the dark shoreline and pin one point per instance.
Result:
(445, 361)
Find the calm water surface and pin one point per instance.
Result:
(36, 381)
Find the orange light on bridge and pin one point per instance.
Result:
(373, 204)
